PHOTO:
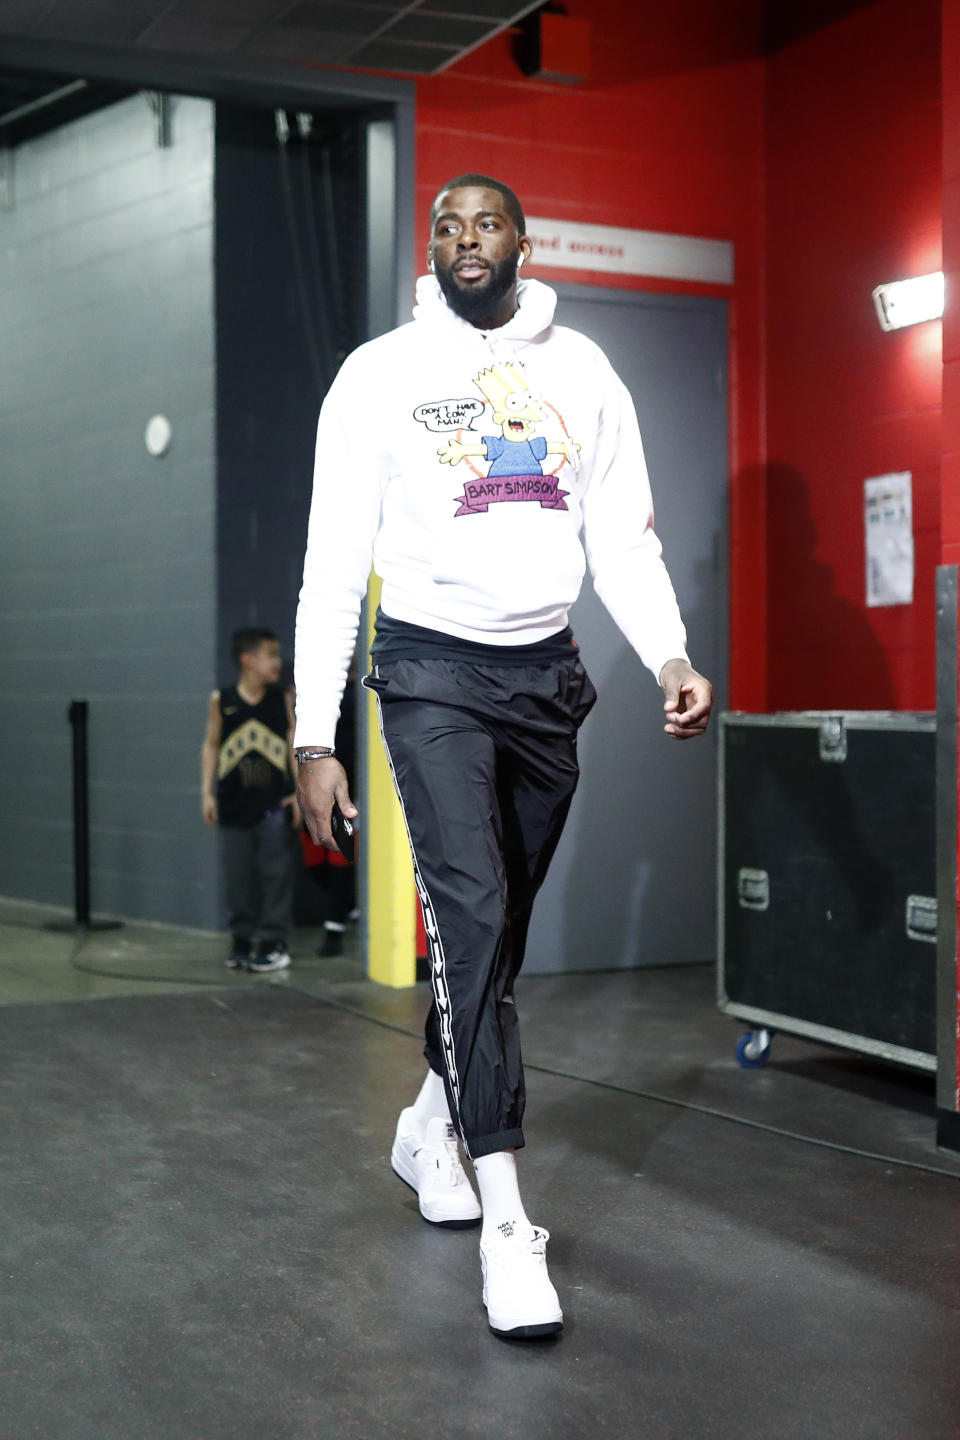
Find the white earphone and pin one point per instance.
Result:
(520, 261)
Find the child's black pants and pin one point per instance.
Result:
(485, 763)
(258, 875)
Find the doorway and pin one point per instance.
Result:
(152, 272)
(633, 882)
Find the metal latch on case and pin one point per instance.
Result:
(833, 739)
(922, 917)
(753, 889)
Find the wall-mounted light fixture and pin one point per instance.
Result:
(907, 302)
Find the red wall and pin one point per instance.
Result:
(853, 199)
(672, 148)
(822, 164)
(950, 475)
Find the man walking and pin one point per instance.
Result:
(466, 454)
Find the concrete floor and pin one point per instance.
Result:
(202, 1236)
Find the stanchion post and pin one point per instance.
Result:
(77, 714)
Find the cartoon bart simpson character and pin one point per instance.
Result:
(516, 450)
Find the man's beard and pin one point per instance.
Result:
(478, 302)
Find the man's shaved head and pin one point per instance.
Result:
(511, 204)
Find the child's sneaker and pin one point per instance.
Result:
(429, 1163)
(239, 957)
(521, 1302)
(276, 958)
(332, 940)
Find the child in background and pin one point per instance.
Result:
(335, 879)
(248, 790)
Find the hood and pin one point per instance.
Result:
(533, 317)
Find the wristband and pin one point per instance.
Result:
(306, 753)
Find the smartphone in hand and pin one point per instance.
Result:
(343, 832)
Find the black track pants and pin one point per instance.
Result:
(485, 763)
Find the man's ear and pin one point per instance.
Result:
(430, 265)
(526, 250)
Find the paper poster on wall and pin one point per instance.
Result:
(888, 513)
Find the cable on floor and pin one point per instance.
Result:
(135, 975)
(82, 936)
(652, 1095)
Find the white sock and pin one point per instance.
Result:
(503, 1212)
(431, 1101)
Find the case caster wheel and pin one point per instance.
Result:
(753, 1049)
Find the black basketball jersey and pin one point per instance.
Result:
(253, 764)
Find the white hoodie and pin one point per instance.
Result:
(466, 465)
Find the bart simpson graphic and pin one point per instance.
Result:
(516, 450)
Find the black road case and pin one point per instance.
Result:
(827, 888)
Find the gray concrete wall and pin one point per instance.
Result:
(107, 556)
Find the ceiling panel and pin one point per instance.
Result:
(503, 11)
(296, 46)
(212, 12)
(387, 54)
(416, 37)
(342, 19)
(407, 37)
(443, 30)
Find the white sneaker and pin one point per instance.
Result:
(429, 1163)
(521, 1302)
(276, 959)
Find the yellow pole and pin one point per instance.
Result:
(391, 894)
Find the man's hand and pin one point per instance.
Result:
(319, 783)
(689, 700)
(209, 809)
